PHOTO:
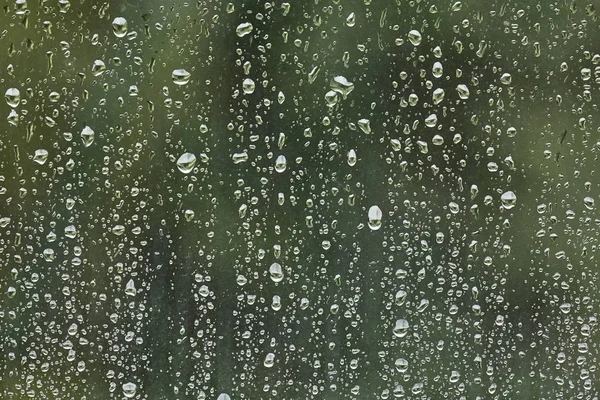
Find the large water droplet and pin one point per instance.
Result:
(509, 200)
(375, 215)
(415, 37)
(401, 328)
(13, 97)
(280, 164)
(40, 156)
(243, 29)
(186, 162)
(119, 25)
(276, 272)
(180, 76)
(87, 136)
(129, 389)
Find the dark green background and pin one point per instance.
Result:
(518, 266)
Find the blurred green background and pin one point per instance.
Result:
(123, 277)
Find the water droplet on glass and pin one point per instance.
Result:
(352, 158)
(248, 86)
(180, 76)
(129, 389)
(87, 136)
(243, 29)
(269, 360)
(375, 216)
(415, 37)
(130, 288)
(438, 69)
(401, 328)
(98, 68)
(13, 97)
(342, 86)
(280, 164)
(509, 200)
(119, 25)
(365, 125)
(40, 156)
(186, 162)
(276, 272)
(463, 91)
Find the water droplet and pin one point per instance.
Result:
(240, 157)
(98, 68)
(438, 96)
(129, 389)
(351, 20)
(130, 288)
(375, 216)
(438, 69)
(276, 272)
(269, 360)
(589, 203)
(243, 29)
(463, 91)
(506, 79)
(509, 200)
(342, 86)
(87, 136)
(248, 86)
(40, 156)
(119, 25)
(352, 158)
(280, 164)
(365, 125)
(415, 37)
(180, 76)
(13, 97)
(186, 162)
(401, 328)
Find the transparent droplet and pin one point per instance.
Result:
(463, 91)
(240, 157)
(180, 76)
(401, 328)
(352, 158)
(375, 216)
(119, 26)
(130, 288)
(186, 162)
(431, 121)
(509, 200)
(87, 136)
(276, 272)
(98, 68)
(351, 20)
(506, 79)
(280, 164)
(129, 389)
(269, 360)
(438, 69)
(248, 86)
(365, 125)
(12, 97)
(243, 29)
(415, 37)
(40, 156)
(589, 203)
(341, 85)
(438, 96)
(401, 365)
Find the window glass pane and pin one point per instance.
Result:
(320, 199)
